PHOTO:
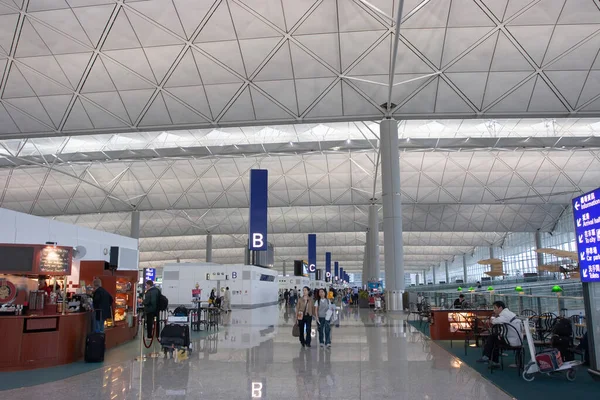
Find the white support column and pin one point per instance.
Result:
(538, 245)
(373, 243)
(365, 268)
(284, 268)
(135, 224)
(447, 273)
(424, 277)
(392, 214)
(464, 257)
(209, 247)
(433, 271)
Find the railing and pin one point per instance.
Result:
(499, 283)
(558, 304)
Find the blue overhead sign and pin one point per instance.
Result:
(149, 274)
(312, 253)
(586, 213)
(259, 185)
(327, 266)
(336, 269)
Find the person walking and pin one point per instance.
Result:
(286, 297)
(102, 301)
(227, 300)
(151, 307)
(305, 309)
(323, 313)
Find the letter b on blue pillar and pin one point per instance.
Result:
(259, 185)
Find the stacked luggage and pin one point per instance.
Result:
(175, 335)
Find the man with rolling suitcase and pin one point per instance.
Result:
(151, 309)
(95, 342)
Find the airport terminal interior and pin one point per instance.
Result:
(430, 167)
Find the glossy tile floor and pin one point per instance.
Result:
(255, 356)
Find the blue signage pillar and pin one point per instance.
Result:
(257, 234)
(336, 270)
(312, 253)
(342, 277)
(328, 267)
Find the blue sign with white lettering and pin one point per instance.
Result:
(327, 267)
(342, 276)
(336, 269)
(312, 253)
(586, 213)
(259, 186)
(149, 274)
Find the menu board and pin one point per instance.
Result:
(16, 259)
(55, 261)
(586, 213)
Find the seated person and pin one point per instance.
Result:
(458, 303)
(502, 315)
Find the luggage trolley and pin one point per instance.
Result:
(175, 335)
(546, 362)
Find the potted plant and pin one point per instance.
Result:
(363, 299)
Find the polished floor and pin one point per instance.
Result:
(255, 356)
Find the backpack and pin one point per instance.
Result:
(562, 327)
(180, 311)
(163, 302)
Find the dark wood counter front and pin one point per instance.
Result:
(444, 323)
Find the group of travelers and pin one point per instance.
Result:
(320, 305)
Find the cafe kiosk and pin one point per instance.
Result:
(37, 329)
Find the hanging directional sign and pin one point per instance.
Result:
(327, 266)
(312, 253)
(257, 234)
(586, 215)
(336, 269)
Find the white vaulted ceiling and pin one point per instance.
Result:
(93, 66)
(464, 183)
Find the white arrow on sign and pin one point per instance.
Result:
(582, 255)
(585, 273)
(577, 205)
(580, 238)
(578, 222)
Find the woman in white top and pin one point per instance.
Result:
(323, 313)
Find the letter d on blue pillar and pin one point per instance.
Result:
(312, 253)
(328, 267)
(336, 269)
(259, 185)
(342, 276)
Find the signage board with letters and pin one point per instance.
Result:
(259, 186)
(586, 215)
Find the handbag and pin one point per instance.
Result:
(301, 313)
(296, 330)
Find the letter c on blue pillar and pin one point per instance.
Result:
(259, 186)
(312, 253)
(328, 267)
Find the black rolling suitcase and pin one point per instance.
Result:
(174, 335)
(95, 345)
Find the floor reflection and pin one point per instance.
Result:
(254, 355)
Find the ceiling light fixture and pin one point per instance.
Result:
(291, 143)
(348, 140)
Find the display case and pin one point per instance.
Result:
(445, 324)
(124, 298)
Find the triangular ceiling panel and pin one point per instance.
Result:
(125, 77)
(354, 44)
(241, 110)
(434, 14)
(192, 13)
(111, 101)
(579, 12)
(324, 19)
(544, 99)
(133, 59)
(279, 67)
(580, 58)
(465, 13)
(325, 46)
(98, 80)
(41, 85)
(157, 114)
(213, 73)
(33, 106)
(545, 12)
(7, 125)
(8, 23)
(308, 90)
(220, 95)
(569, 83)
(533, 39)
(423, 101)
(353, 17)
(306, 66)
(180, 114)
(25, 123)
(255, 51)
(448, 101)
(219, 27)
(591, 88)
(73, 66)
(478, 59)
(16, 85)
(429, 42)
(272, 10)
(185, 73)
(30, 43)
(248, 26)
(163, 13)
(161, 59)
(226, 52)
(59, 43)
(94, 19)
(508, 58)
(46, 65)
(194, 96)
(501, 82)
(517, 100)
(356, 104)
(78, 119)
(56, 106)
(460, 39)
(379, 93)
(265, 108)
(135, 101)
(294, 11)
(330, 104)
(497, 7)
(282, 91)
(101, 119)
(121, 35)
(472, 84)
(565, 37)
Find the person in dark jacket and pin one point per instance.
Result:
(151, 307)
(102, 301)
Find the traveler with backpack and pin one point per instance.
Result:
(562, 338)
(102, 301)
(151, 307)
